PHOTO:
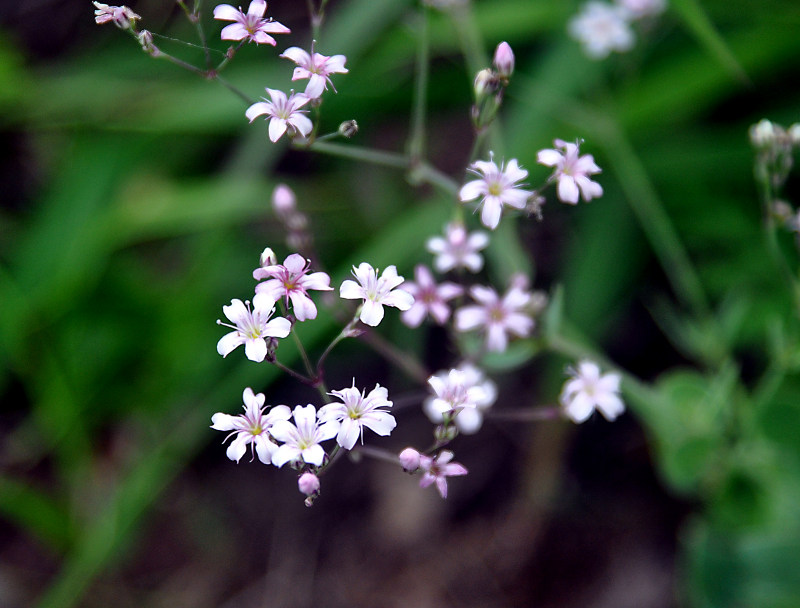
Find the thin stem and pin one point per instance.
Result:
(405, 361)
(243, 96)
(416, 142)
(292, 373)
(377, 454)
(534, 414)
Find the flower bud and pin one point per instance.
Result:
(409, 459)
(283, 200)
(267, 258)
(504, 60)
(763, 134)
(348, 128)
(794, 134)
(485, 84)
(308, 484)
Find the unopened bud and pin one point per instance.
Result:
(267, 258)
(308, 484)
(763, 134)
(145, 38)
(348, 128)
(409, 459)
(485, 84)
(504, 59)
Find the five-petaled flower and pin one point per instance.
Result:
(588, 390)
(458, 248)
(291, 281)
(497, 317)
(358, 411)
(251, 327)
(464, 393)
(429, 298)
(301, 440)
(602, 28)
(376, 292)
(284, 113)
(437, 470)
(497, 186)
(251, 428)
(571, 171)
(250, 26)
(316, 67)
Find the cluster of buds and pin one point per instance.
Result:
(774, 148)
(489, 86)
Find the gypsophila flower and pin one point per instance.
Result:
(301, 440)
(250, 26)
(251, 327)
(437, 470)
(463, 392)
(121, 16)
(458, 248)
(284, 114)
(356, 412)
(429, 298)
(587, 390)
(291, 281)
(639, 9)
(316, 67)
(376, 292)
(251, 428)
(496, 187)
(571, 171)
(497, 317)
(601, 28)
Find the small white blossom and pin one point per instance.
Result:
(291, 281)
(284, 114)
(251, 428)
(376, 292)
(250, 26)
(356, 412)
(587, 390)
(602, 28)
(437, 470)
(316, 67)
(301, 440)
(463, 392)
(251, 327)
(429, 298)
(571, 171)
(458, 248)
(496, 187)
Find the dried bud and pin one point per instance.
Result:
(504, 60)
(348, 128)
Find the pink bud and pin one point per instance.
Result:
(267, 258)
(409, 459)
(308, 484)
(283, 200)
(504, 59)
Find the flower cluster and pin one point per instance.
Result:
(601, 27)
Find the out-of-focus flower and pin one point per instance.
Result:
(467, 387)
(316, 67)
(497, 186)
(284, 114)
(301, 440)
(121, 16)
(602, 28)
(437, 470)
(291, 280)
(638, 9)
(429, 298)
(376, 292)
(251, 327)
(458, 248)
(504, 59)
(588, 390)
(571, 171)
(250, 26)
(495, 316)
(251, 428)
(409, 460)
(356, 412)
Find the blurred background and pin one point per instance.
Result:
(135, 204)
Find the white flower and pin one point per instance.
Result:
(356, 412)
(301, 440)
(250, 26)
(497, 317)
(316, 67)
(376, 292)
(458, 249)
(637, 9)
(251, 428)
(588, 390)
(601, 28)
(463, 392)
(250, 327)
(429, 298)
(571, 171)
(291, 280)
(437, 470)
(496, 187)
(284, 114)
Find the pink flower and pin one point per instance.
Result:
(250, 26)
(497, 317)
(588, 390)
(496, 187)
(376, 292)
(437, 470)
(572, 171)
(251, 428)
(121, 16)
(301, 440)
(458, 249)
(316, 67)
(291, 281)
(284, 114)
(356, 412)
(250, 327)
(429, 298)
